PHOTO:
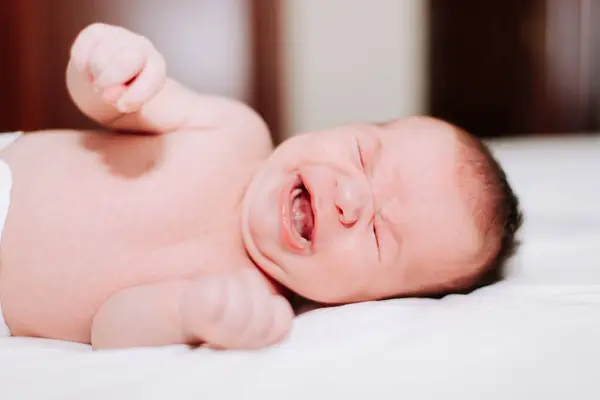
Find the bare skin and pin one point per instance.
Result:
(95, 214)
(194, 229)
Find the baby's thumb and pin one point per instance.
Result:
(112, 94)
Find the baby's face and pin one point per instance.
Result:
(363, 212)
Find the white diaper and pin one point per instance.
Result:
(5, 189)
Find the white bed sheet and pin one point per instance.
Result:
(535, 336)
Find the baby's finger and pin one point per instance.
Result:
(203, 307)
(258, 327)
(104, 55)
(233, 319)
(147, 85)
(84, 44)
(126, 64)
(282, 320)
(113, 93)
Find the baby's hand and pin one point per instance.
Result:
(124, 67)
(235, 312)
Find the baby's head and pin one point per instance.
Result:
(364, 212)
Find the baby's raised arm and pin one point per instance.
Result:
(229, 312)
(118, 79)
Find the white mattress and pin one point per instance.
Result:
(536, 336)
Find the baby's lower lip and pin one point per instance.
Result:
(289, 237)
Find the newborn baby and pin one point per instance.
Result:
(186, 227)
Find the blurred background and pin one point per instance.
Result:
(495, 68)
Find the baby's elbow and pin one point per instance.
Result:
(104, 330)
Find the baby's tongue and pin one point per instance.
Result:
(302, 215)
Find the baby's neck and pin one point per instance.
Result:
(299, 304)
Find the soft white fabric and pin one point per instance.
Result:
(535, 336)
(7, 138)
(5, 189)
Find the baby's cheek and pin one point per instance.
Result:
(342, 278)
(350, 260)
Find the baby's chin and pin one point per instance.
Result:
(266, 261)
(255, 236)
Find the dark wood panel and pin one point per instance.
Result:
(267, 69)
(36, 51)
(9, 73)
(516, 66)
(483, 73)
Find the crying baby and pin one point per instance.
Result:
(184, 226)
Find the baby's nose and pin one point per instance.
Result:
(351, 198)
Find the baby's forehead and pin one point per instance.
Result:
(420, 147)
(417, 175)
(421, 130)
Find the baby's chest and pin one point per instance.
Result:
(192, 186)
(123, 198)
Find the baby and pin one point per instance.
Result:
(186, 227)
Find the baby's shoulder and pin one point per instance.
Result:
(236, 128)
(249, 130)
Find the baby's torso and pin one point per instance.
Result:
(93, 213)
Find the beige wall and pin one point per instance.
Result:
(206, 42)
(353, 60)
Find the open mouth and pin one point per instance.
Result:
(303, 219)
(298, 219)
